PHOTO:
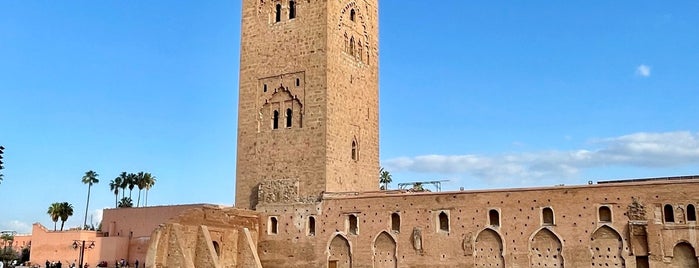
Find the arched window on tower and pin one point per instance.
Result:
(275, 120)
(351, 46)
(691, 213)
(669, 213)
(278, 13)
(353, 14)
(547, 216)
(395, 222)
(353, 224)
(292, 9)
(605, 214)
(354, 150)
(494, 217)
(443, 222)
(311, 226)
(288, 117)
(273, 225)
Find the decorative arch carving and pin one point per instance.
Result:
(282, 104)
(489, 249)
(545, 250)
(607, 248)
(357, 30)
(340, 252)
(385, 251)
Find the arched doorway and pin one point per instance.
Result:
(545, 250)
(683, 256)
(606, 247)
(385, 251)
(339, 253)
(488, 250)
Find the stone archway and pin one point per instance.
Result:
(606, 247)
(385, 251)
(340, 254)
(683, 256)
(488, 250)
(545, 250)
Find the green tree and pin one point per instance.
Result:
(114, 186)
(7, 237)
(123, 182)
(65, 211)
(385, 178)
(90, 178)
(131, 182)
(149, 181)
(126, 202)
(55, 213)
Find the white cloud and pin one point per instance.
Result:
(647, 150)
(643, 70)
(17, 226)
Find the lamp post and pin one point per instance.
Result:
(80, 244)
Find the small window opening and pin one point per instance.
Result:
(353, 228)
(298, 82)
(264, 88)
(351, 47)
(547, 215)
(669, 213)
(691, 213)
(354, 150)
(278, 13)
(311, 226)
(443, 221)
(494, 216)
(292, 9)
(217, 248)
(273, 225)
(395, 222)
(353, 14)
(275, 120)
(605, 214)
(288, 117)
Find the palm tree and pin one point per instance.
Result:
(114, 187)
(149, 181)
(126, 202)
(55, 213)
(65, 211)
(141, 183)
(90, 178)
(131, 182)
(124, 182)
(384, 178)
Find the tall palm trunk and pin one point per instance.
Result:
(146, 198)
(116, 203)
(88, 204)
(62, 223)
(138, 203)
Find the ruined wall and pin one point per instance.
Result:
(206, 237)
(607, 225)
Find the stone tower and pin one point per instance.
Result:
(308, 103)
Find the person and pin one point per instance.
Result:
(59, 264)
(48, 263)
(2, 264)
(136, 263)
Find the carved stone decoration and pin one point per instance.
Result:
(468, 244)
(636, 210)
(417, 239)
(679, 215)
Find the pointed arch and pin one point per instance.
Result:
(278, 13)
(292, 9)
(545, 250)
(339, 252)
(385, 251)
(489, 249)
(607, 248)
(683, 255)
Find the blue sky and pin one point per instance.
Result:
(483, 94)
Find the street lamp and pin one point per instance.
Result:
(80, 244)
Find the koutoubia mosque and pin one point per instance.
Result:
(307, 192)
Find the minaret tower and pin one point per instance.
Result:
(308, 103)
